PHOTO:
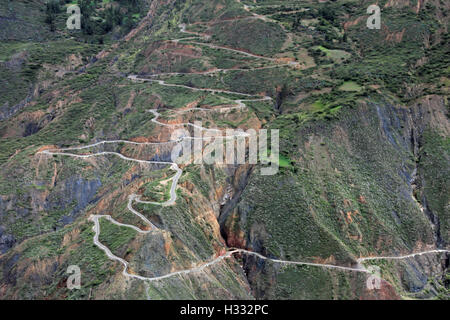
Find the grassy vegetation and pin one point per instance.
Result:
(258, 37)
(433, 163)
(332, 197)
(114, 237)
(198, 10)
(345, 145)
(350, 86)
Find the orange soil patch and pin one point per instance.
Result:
(349, 215)
(192, 104)
(329, 260)
(352, 23)
(285, 59)
(131, 99)
(362, 199)
(394, 36)
(143, 139)
(347, 203)
(47, 147)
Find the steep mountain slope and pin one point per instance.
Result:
(87, 178)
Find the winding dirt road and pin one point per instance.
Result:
(240, 103)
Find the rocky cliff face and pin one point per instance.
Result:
(359, 226)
